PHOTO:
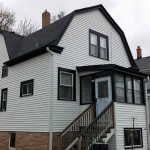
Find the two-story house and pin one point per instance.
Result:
(71, 85)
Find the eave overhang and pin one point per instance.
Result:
(112, 67)
(34, 53)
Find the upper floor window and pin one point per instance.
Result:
(26, 88)
(3, 99)
(4, 71)
(98, 45)
(66, 84)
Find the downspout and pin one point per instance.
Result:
(51, 98)
(147, 111)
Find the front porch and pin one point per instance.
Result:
(100, 87)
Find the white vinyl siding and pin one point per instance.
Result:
(31, 113)
(123, 116)
(111, 143)
(76, 53)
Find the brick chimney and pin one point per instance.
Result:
(139, 52)
(45, 18)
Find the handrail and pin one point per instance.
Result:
(97, 128)
(76, 119)
(96, 118)
(71, 132)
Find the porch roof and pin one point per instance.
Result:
(111, 67)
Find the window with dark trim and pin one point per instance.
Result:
(4, 71)
(133, 137)
(12, 141)
(119, 88)
(26, 88)
(86, 90)
(98, 45)
(138, 91)
(66, 84)
(128, 89)
(3, 100)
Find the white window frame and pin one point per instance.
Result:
(26, 83)
(27, 89)
(66, 84)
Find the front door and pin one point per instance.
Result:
(103, 93)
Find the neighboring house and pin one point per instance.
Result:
(144, 66)
(71, 85)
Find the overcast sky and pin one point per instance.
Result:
(133, 16)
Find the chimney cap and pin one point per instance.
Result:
(138, 47)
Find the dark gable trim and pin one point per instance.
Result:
(32, 54)
(112, 22)
(64, 30)
(121, 33)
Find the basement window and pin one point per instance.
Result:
(133, 138)
(12, 141)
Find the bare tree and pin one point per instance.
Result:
(8, 22)
(26, 27)
(7, 18)
(60, 15)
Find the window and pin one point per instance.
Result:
(4, 71)
(138, 91)
(133, 138)
(98, 45)
(119, 88)
(26, 88)
(3, 99)
(103, 89)
(86, 90)
(66, 84)
(12, 141)
(129, 89)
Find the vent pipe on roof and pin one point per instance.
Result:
(139, 52)
(45, 18)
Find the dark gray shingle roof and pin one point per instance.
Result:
(18, 45)
(51, 35)
(143, 63)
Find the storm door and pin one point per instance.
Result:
(103, 93)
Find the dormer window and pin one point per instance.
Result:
(4, 71)
(98, 45)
